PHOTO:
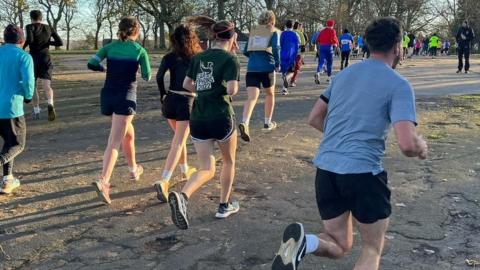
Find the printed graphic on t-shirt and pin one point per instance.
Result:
(205, 77)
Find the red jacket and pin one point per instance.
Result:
(327, 36)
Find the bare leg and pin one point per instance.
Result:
(178, 149)
(228, 150)
(373, 238)
(46, 85)
(337, 239)
(206, 171)
(270, 100)
(253, 93)
(128, 146)
(117, 134)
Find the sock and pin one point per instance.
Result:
(246, 121)
(7, 177)
(183, 167)
(167, 175)
(312, 243)
(50, 101)
(224, 205)
(132, 169)
(268, 121)
(36, 109)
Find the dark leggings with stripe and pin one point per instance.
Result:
(13, 133)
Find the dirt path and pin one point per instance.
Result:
(54, 220)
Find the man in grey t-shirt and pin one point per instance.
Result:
(356, 113)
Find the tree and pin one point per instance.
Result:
(54, 10)
(12, 11)
(101, 12)
(69, 12)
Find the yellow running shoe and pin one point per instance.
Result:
(189, 173)
(161, 187)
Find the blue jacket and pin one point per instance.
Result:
(289, 44)
(264, 61)
(345, 41)
(17, 81)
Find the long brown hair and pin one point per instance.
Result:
(221, 30)
(184, 42)
(128, 27)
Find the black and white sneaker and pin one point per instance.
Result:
(225, 211)
(293, 248)
(178, 205)
(285, 81)
(317, 78)
(271, 126)
(285, 91)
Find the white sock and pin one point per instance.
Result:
(132, 169)
(246, 121)
(183, 167)
(167, 175)
(36, 109)
(312, 243)
(268, 121)
(50, 101)
(7, 177)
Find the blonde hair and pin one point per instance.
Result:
(267, 17)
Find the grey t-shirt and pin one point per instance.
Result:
(363, 101)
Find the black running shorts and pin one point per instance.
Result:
(366, 195)
(42, 66)
(212, 130)
(117, 104)
(260, 79)
(177, 107)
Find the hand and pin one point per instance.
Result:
(423, 148)
(27, 101)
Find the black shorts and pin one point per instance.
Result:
(177, 107)
(260, 79)
(212, 130)
(366, 195)
(117, 104)
(42, 66)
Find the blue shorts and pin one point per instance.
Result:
(117, 104)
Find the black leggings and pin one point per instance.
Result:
(345, 56)
(13, 133)
(461, 53)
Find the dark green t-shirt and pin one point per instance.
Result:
(211, 70)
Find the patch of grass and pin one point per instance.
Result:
(435, 136)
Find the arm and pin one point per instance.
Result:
(317, 116)
(189, 84)
(245, 49)
(145, 66)
(232, 87)
(29, 38)
(411, 144)
(276, 49)
(95, 63)
(57, 41)
(161, 77)
(28, 78)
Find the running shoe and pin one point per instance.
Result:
(35, 115)
(459, 71)
(51, 113)
(178, 206)
(271, 126)
(103, 191)
(293, 84)
(9, 185)
(244, 132)
(161, 187)
(285, 91)
(188, 174)
(466, 71)
(328, 79)
(285, 82)
(226, 211)
(135, 176)
(317, 78)
(292, 250)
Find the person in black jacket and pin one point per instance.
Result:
(39, 39)
(177, 103)
(465, 36)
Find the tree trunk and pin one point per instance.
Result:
(162, 44)
(155, 36)
(97, 32)
(269, 4)
(221, 9)
(68, 38)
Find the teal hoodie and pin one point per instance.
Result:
(17, 81)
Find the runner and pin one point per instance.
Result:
(327, 41)
(346, 41)
(17, 84)
(39, 40)
(433, 45)
(263, 52)
(298, 28)
(351, 184)
(213, 75)
(313, 40)
(361, 44)
(118, 99)
(411, 45)
(464, 37)
(405, 42)
(289, 45)
(177, 103)
(446, 47)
